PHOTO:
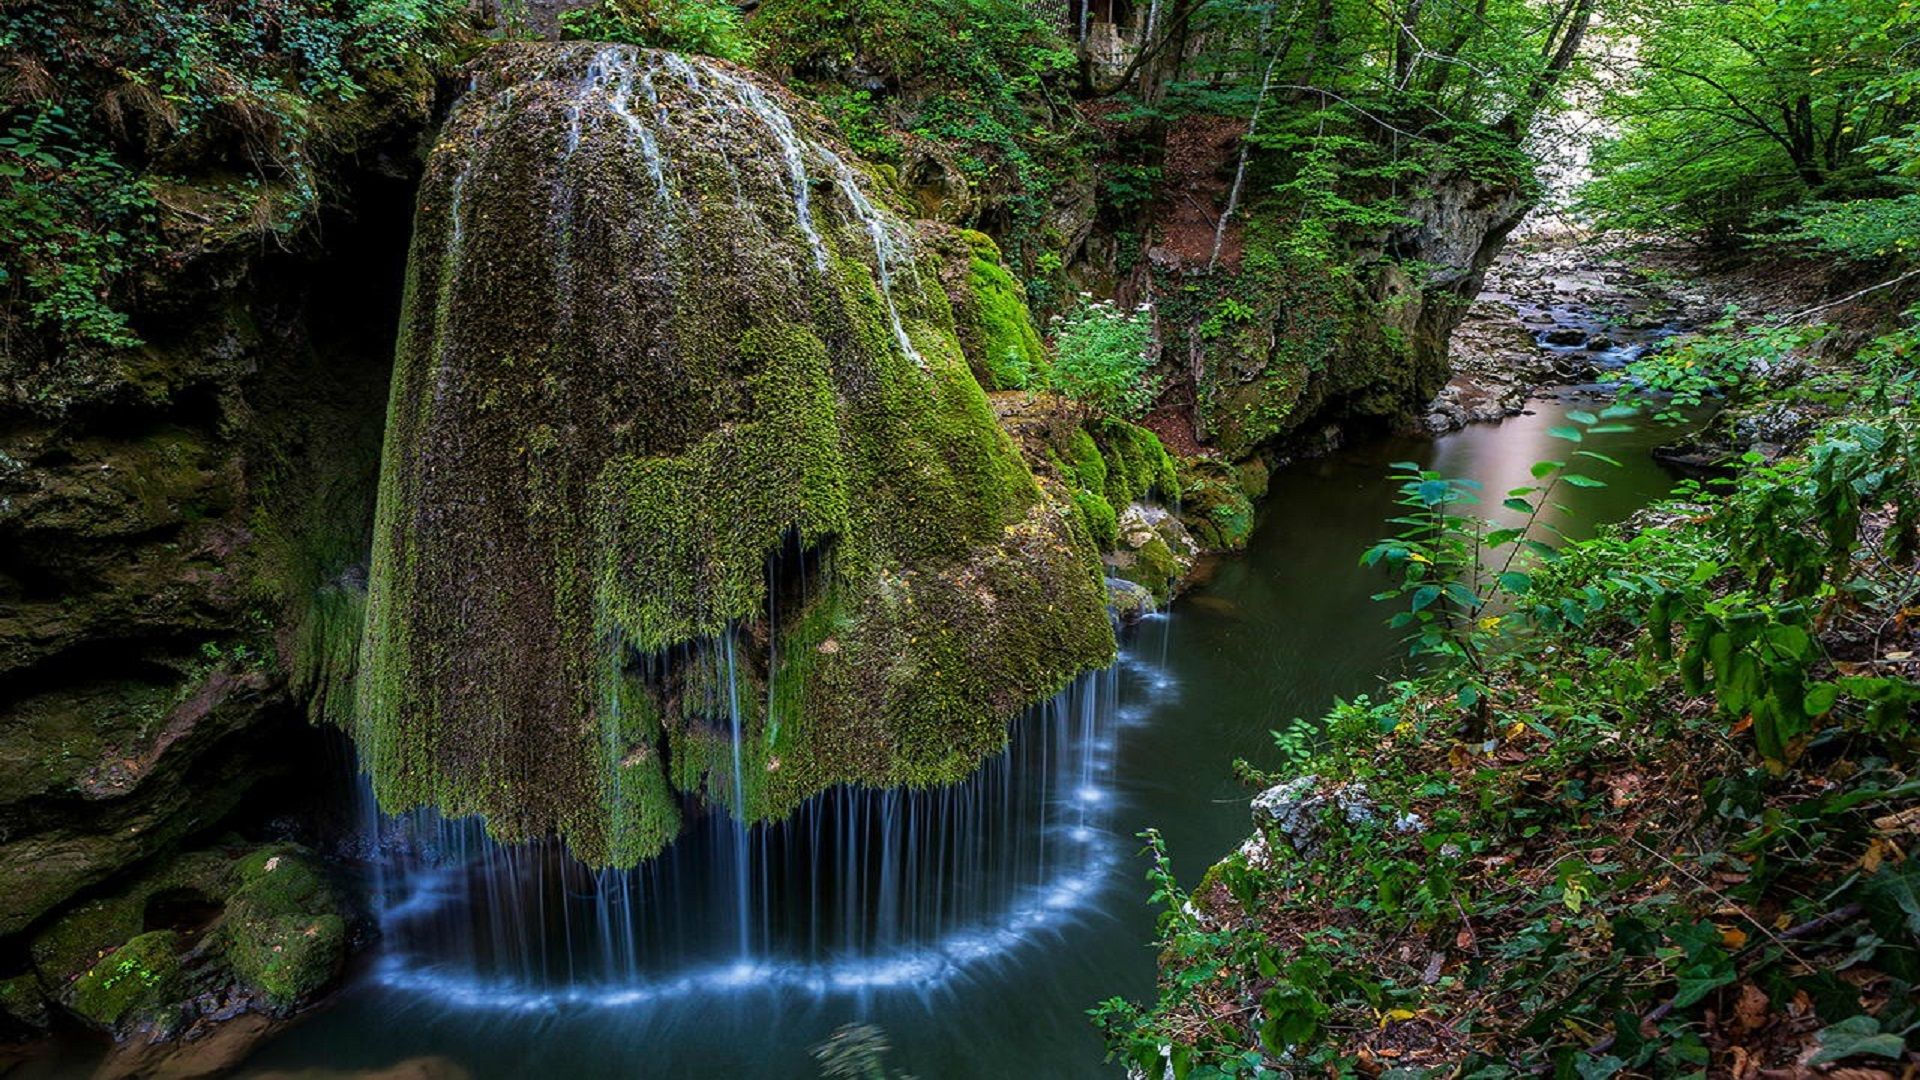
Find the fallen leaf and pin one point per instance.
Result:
(1750, 1008)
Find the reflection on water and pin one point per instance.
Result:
(1275, 634)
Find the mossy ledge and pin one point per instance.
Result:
(681, 433)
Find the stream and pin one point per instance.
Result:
(980, 961)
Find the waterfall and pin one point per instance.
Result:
(659, 325)
(862, 890)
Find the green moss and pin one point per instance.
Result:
(24, 1002)
(282, 936)
(996, 330)
(1138, 467)
(592, 480)
(1214, 506)
(1154, 568)
(1099, 516)
(136, 982)
(1255, 476)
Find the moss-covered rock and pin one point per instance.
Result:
(1301, 333)
(684, 448)
(24, 1004)
(1214, 503)
(135, 983)
(1153, 550)
(241, 928)
(283, 934)
(990, 315)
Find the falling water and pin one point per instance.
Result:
(859, 890)
(727, 92)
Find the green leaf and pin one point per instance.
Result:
(1696, 981)
(1858, 1036)
(1821, 697)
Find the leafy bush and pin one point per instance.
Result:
(708, 27)
(1103, 358)
(1716, 362)
(1459, 575)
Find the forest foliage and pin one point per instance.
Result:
(136, 132)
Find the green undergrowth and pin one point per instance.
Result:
(1668, 828)
(140, 136)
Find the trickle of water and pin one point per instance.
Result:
(727, 91)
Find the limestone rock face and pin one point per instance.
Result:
(1290, 342)
(687, 486)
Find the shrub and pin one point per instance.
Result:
(708, 27)
(1104, 358)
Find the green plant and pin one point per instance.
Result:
(1103, 358)
(1714, 362)
(1459, 576)
(708, 27)
(226, 108)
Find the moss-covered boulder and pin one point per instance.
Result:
(1215, 504)
(283, 934)
(211, 932)
(688, 487)
(990, 315)
(1154, 550)
(137, 982)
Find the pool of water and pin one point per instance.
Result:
(1273, 634)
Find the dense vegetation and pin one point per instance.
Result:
(135, 137)
(1663, 779)
(1646, 807)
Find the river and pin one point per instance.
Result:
(1273, 634)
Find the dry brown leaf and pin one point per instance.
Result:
(1750, 1009)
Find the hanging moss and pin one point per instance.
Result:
(642, 362)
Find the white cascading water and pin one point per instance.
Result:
(859, 891)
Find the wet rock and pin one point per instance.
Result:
(203, 938)
(1129, 600)
(1152, 549)
(1297, 811)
